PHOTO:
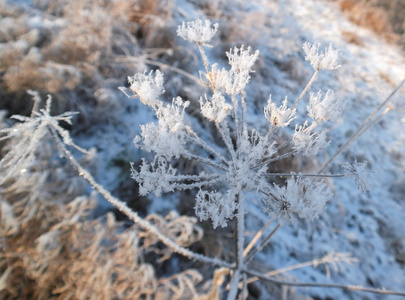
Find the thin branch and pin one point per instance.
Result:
(176, 70)
(226, 137)
(206, 161)
(257, 236)
(331, 258)
(189, 186)
(326, 285)
(305, 175)
(271, 131)
(270, 160)
(206, 66)
(196, 178)
(235, 104)
(204, 145)
(283, 145)
(243, 104)
(163, 66)
(262, 244)
(305, 89)
(363, 127)
(234, 286)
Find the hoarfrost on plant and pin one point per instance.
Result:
(279, 116)
(215, 206)
(239, 164)
(198, 31)
(241, 60)
(155, 177)
(327, 109)
(167, 137)
(216, 109)
(300, 197)
(147, 87)
(307, 141)
(359, 173)
(327, 60)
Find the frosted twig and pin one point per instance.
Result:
(224, 131)
(306, 175)
(37, 102)
(257, 236)
(161, 65)
(235, 104)
(206, 161)
(243, 104)
(189, 186)
(305, 89)
(133, 216)
(270, 160)
(204, 145)
(195, 138)
(325, 285)
(331, 258)
(282, 145)
(234, 285)
(262, 244)
(364, 126)
(205, 62)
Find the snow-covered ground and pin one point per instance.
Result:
(369, 225)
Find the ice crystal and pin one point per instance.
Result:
(167, 137)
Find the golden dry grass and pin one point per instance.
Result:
(369, 16)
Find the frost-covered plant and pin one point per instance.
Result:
(233, 171)
(243, 166)
(199, 31)
(238, 166)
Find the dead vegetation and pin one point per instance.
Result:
(74, 49)
(386, 18)
(53, 246)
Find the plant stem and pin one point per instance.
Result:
(239, 229)
(205, 62)
(326, 285)
(305, 89)
(195, 138)
(262, 244)
(257, 237)
(363, 127)
(305, 175)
